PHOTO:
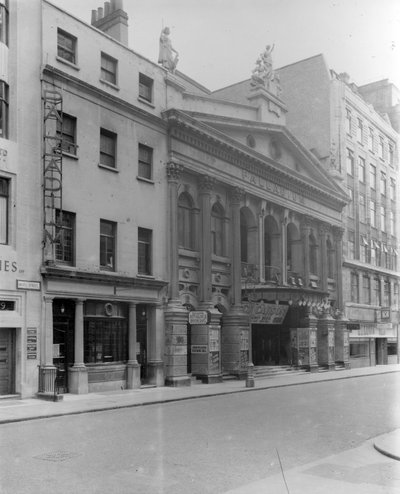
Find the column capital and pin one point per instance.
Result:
(307, 222)
(48, 299)
(338, 232)
(323, 229)
(80, 301)
(206, 184)
(174, 171)
(237, 195)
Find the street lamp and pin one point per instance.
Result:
(250, 299)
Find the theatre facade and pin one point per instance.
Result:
(255, 242)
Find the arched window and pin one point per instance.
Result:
(185, 222)
(217, 230)
(313, 254)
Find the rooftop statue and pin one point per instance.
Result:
(168, 56)
(263, 73)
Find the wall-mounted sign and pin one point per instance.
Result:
(353, 326)
(199, 317)
(31, 343)
(199, 349)
(262, 313)
(28, 285)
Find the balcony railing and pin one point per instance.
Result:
(250, 272)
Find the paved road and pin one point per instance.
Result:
(209, 445)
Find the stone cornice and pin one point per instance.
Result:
(60, 273)
(215, 143)
(84, 87)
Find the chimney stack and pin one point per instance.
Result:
(112, 20)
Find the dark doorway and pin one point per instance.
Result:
(141, 339)
(271, 344)
(7, 363)
(63, 340)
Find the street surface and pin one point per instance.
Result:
(210, 445)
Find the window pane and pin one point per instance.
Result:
(66, 237)
(105, 340)
(145, 162)
(3, 211)
(66, 46)
(108, 69)
(107, 148)
(144, 251)
(107, 245)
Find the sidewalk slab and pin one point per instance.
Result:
(17, 410)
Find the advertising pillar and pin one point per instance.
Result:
(206, 345)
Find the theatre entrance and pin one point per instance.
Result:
(271, 344)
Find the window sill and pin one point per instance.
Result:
(109, 168)
(146, 102)
(147, 180)
(65, 62)
(71, 156)
(146, 276)
(106, 269)
(109, 84)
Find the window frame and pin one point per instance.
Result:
(68, 138)
(5, 216)
(110, 160)
(145, 252)
(360, 130)
(108, 74)
(62, 49)
(109, 239)
(65, 228)
(146, 87)
(145, 168)
(354, 288)
(4, 109)
(350, 162)
(361, 170)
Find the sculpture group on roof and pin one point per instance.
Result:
(263, 74)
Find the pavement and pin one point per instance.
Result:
(18, 410)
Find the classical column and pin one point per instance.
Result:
(261, 246)
(235, 329)
(175, 314)
(78, 373)
(174, 171)
(338, 238)
(326, 341)
(323, 231)
(155, 363)
(284, 223)
(132, 366)
(47, 370)
(206, 185)
(305, 234)
(342, 353)
(237, 196)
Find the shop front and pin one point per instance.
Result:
(95, 344)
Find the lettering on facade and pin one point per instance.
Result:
(262, 313)
(8, 266)
(28, 285)
(199, 317)
(199, 349)
(276, 189)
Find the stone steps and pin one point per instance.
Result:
(261, 371)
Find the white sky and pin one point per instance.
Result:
(219, 40)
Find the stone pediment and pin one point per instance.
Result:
(281, 158)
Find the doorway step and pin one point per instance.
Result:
(262, 371)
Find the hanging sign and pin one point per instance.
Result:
(199, 317)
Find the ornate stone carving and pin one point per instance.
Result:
(338, 233)
(237, 195)
(263, 74)
(174, 170)
(206, 183)
(323, 229)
